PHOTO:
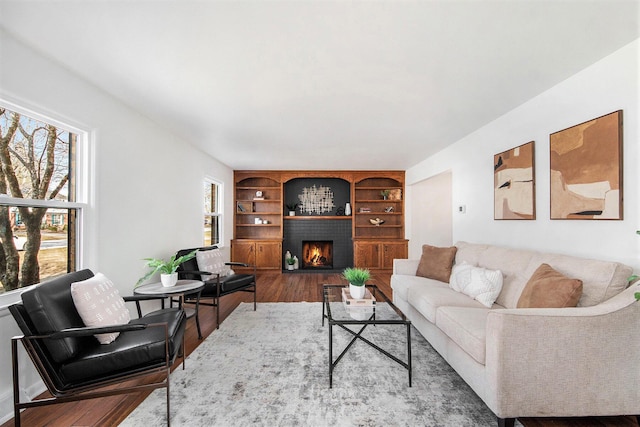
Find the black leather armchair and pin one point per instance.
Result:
(216, 286)
(73, 364)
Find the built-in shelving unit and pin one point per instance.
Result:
(260, 215)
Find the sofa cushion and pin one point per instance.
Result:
(479, 283)
(548, 288)
(427, 299)
(601, 280)
(466, 327)
(511, 262)
(436, 263)
(99, 304)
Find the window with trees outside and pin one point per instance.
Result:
(212, 212)
(38, 209)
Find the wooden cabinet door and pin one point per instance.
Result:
(269, 254)
(243, 251)
(366, 254)
(391, 251)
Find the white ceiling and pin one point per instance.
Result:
(323, 84)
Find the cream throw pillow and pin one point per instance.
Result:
(213, 262)
(479, 283)
(99, 304)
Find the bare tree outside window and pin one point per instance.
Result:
(34, 166)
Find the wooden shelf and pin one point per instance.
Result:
(307, 218)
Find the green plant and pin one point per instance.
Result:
(291, 261)
(356, 276)
(165, 267)
(292, 206)
(385, 193)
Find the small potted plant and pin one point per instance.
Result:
(167, 269)
(291, 263)
(385, 194)
(291, 207)
(356, 278)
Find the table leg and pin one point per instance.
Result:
(409, 351)
(330, 355)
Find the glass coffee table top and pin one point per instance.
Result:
(338, 311)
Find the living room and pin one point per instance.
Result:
(140, 204)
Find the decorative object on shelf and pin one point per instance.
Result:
(347, 209)
(296, 264)
(259, 195)
(257, 221)
(365, 210)
(244, 207)
(316, 200)
(385, 194)
(376, 221)
(340, 211)
(395, 194)
(165, 268)
(290, 263)
(291, 207)
(514, 183)
(357, 278)
(388, 209)
(586, 170)
(287, 255)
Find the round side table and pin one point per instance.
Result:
(180, 290)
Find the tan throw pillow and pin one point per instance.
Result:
(548, 288)
(436, 263)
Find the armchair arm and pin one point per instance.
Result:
(87, 331)
(239, 264)
(573, 360)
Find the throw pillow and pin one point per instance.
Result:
(479, 283)
(213, 262)
(99, 304)
(436, 263)
(547, 288)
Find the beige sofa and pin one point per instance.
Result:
(533, 362)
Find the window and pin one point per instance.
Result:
(38, 208)
(212, 212)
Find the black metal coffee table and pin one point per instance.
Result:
(384, 312)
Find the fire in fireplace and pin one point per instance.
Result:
(317, 254)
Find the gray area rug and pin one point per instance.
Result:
(270, 368)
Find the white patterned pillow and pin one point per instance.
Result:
(479, 283)
(213, 262)
(99, 304)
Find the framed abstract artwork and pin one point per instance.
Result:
(514, 183)
(586, 170)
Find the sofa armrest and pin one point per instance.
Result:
(564, 362)
(405, 266)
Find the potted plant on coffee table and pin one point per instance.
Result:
(357, 278)
(167, 269)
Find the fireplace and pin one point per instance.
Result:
(317, 254)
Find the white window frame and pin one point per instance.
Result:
(83, 180)
(219, 209)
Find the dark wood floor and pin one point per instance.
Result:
(273, 287)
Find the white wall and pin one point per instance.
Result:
(608, 85)
(147, 198)
(431, 213)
